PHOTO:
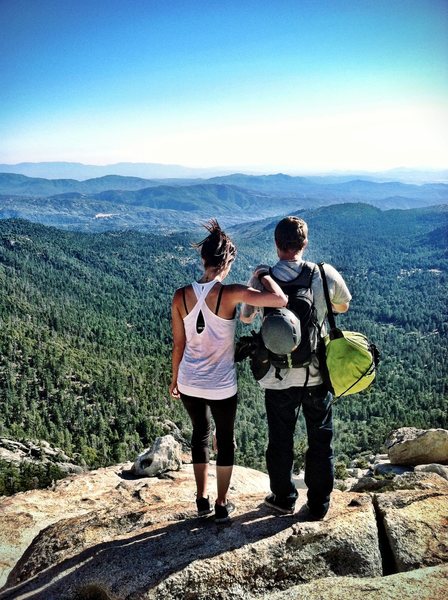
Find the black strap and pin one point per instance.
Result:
(307, 377)
(278, 374)
(185, 304)
(218, 303)
(330, 315)
(369, 371)
(304, 277)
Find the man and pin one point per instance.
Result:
(292, 388)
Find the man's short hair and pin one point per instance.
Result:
(290, 234)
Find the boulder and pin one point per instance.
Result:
(416, 526)
(407, 481)
(109, 490)
(434, 468)
(141, 538)
(387, 469)
(424, 584)
(164, 455)
(411, 446)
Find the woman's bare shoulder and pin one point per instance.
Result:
(179, 293)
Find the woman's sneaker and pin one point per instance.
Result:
(284, 506)
(222, 512)
(203, 506)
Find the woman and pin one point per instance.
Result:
(203, 369)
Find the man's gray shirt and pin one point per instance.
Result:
(287, 270)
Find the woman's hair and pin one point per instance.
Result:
(290, 234)
(217, 249)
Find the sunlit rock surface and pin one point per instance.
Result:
(107, 535)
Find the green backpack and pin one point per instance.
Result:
(351, 360)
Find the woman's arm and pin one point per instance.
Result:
(247, 311)
(272, 295)
(178, 330)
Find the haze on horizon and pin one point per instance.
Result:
(292, 85)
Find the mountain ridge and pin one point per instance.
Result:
(275, 184)
(79, 170)
(115, 201)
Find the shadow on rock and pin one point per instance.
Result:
(144, 560)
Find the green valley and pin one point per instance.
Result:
(85, 329)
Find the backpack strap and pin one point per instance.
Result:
(330, 315)
(307, 376)
(304, 278)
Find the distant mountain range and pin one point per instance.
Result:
(117, 202)
(74, 170)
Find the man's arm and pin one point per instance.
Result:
(339, 292)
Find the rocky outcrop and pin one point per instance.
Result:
(164, 455)
(36, 453)
(257, 553)
(416, 525)
(110, 491)
(106, 535)
(424, 584)
(413, 480)
(433, 468)
(411, 446)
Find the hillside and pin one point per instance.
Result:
(119, 202)
(156, 208)
(352, 190)
(85, 336)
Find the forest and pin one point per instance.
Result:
(85, 336)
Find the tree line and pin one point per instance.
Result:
(85, 338)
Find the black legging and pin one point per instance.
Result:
(223, 412)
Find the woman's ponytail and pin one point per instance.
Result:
(217, 249)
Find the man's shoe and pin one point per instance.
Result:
(222, 512)
(311, 515)
(286, 507)
(203, 506)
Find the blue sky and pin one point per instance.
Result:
(280, 85)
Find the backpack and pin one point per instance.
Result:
(301, 303)
(351, 360)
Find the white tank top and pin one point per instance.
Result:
(207, 369)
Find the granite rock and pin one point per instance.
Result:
(411, 446)
(164, 455)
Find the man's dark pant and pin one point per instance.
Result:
(282, 410)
